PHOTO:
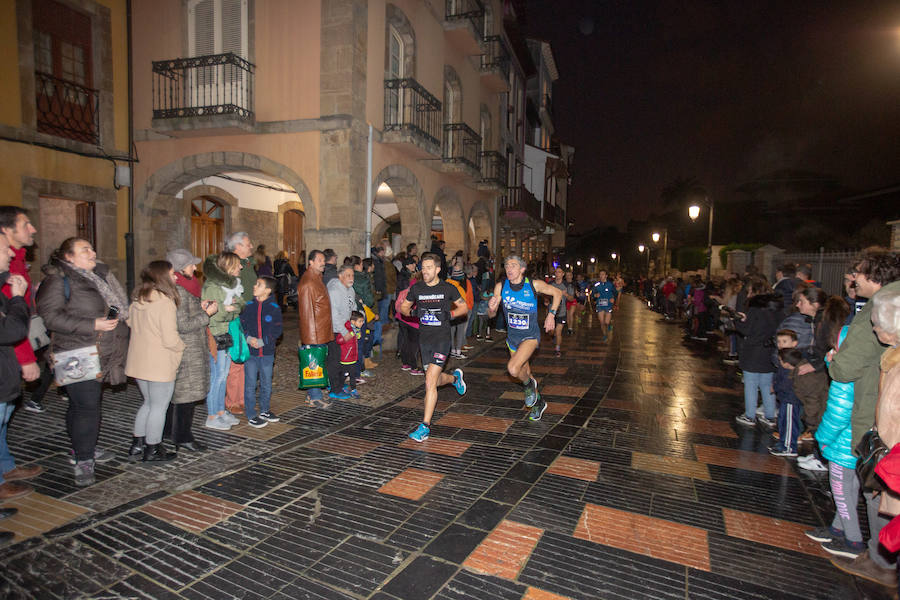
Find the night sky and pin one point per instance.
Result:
(721, 91)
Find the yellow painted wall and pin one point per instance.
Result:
(20, 160)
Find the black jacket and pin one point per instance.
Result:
(14, 321)
(329, 273)
(378, 276)
(72, 321)
(758, 333)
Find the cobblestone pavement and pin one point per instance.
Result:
(634, 484)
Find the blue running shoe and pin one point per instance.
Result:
(531, 393)
(421, 433)
(354, 394)
(458, 382)
(341, 396)
(537, 411)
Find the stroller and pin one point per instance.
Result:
(287, 289)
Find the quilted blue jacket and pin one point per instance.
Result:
(834, 432)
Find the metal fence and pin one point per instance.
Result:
(216, 84)
(828, 268)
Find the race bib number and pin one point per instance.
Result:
(518, 321)
(430, 318)
(603, 302)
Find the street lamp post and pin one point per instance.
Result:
(693, 213)
(665, 248)
(641, 249)
(615, 257)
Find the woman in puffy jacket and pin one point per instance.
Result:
(843, 537)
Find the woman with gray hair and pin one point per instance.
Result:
(886, 325)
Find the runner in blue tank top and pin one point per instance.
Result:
(523, 333)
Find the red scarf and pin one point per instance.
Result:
(191, 284)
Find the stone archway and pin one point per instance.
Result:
(480, 222)
(163, 220)
(410, 199)
(447, 201)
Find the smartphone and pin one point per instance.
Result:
(112, 313)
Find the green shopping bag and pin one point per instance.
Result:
(240, 350)
(312, 367)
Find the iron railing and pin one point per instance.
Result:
(496, 55)
(410, 107)
(67, 109)
(473, 10)
(519, 200)
(461, 144)
(493, 168)
(216, 84)
(553, 213)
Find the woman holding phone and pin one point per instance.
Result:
(76, 297)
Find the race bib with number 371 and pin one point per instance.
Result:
(429, 318)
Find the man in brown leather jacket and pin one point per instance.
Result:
(314, 308)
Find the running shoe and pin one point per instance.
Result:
(354, 394)
(406, 368)
(257, 422)
(421, 433)
(843, 547)
(812, 465)
(416, 372)
(537, 411)
(769, 423)
(824, 534)
(340, 396)
(781, 451)
(270, 416)
(745, 421)
(230, 418)
(558, 353)
(458, 382)
(34, 406)
(531, 393)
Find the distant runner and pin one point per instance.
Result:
(604, 294)
(436, 302)
(519, 297)
(568, 290)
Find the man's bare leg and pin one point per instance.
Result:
(434, 378)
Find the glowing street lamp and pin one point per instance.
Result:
(655, 237)
(593, 260)
(641, 248)
(613, 255)
(693, 213)
(665, 237)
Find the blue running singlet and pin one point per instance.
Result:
(521, 306)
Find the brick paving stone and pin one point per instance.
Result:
(774, 532)
(261, 433)
(674, 542)
(576, 468)
(192, 510)
(411, 484)
(576, 391)
(669, 464)
(342, 444)
(743, 459)
(535, 594)
(505, 550)
(37, 514)
(477, 422)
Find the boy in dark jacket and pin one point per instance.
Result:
(789, 403)
(261, 323)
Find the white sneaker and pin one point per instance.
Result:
(218, 422)
(760, 411)
(230, 418)
(813, 465)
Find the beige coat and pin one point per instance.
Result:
(887, 417)
(155, 348)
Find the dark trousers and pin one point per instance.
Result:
(83, 417)
(789, 424)
(39, 388)
(335, 369)
(179, 419)
(351, 371)
(408, 342)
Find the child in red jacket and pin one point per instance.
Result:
(350, 352)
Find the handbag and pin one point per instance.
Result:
(871, 449)
(223, 341)
(75, 366)
(313, 373)
(240, 350)
(37, 333)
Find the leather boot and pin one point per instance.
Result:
(369, 363)
(136, 452)
(157, 453)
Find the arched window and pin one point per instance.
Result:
(207, 226)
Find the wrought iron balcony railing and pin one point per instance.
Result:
(216, 84)
(461, 145)
(473, 10)
(553, 213)
(519, 200)
(493, 168)
(410, 107)
(496, 55)
(67, 109)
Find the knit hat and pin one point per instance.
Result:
(181, 258)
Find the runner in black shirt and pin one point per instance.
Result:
(436, 303)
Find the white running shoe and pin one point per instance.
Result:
(812, 465)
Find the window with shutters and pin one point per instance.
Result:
(395, 71)
(217, 28)
(66, 104)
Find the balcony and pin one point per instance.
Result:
(495, 64)
(464, 24)
(412, 117)
(67, 109)
(461, 150)
(493, 171)
(555, 215)
(202, 95)
(519, 207)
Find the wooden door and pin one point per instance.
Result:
(293, 236)
(207, 226)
